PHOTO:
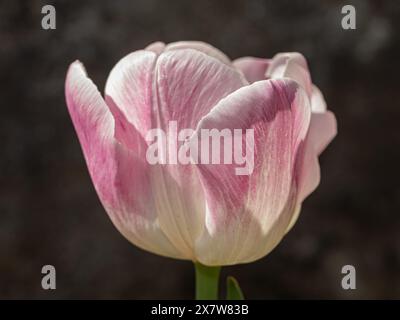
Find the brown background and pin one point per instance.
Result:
(50, 214)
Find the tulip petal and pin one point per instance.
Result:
(202, 47)
(254, 69)
(248, 215)
(189, 83)
(291, 65)
(157, 47)
(120, 177)
(294, 218)
(321, 132)
(318, 103)
(130, 86)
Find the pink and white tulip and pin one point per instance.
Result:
(204, 213)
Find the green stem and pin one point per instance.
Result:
(207, 280)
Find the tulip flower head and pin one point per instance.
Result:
(198, 157)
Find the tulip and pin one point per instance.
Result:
(202, 212)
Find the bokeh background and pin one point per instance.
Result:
(49, 211)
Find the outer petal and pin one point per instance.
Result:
(318, 103)
(202, 47)
(254, 69)
(291, 65)
(322, 130)
(322, 126)
(120, 177)
(248, 215)
(189, 83)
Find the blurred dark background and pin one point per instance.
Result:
(49, 211)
